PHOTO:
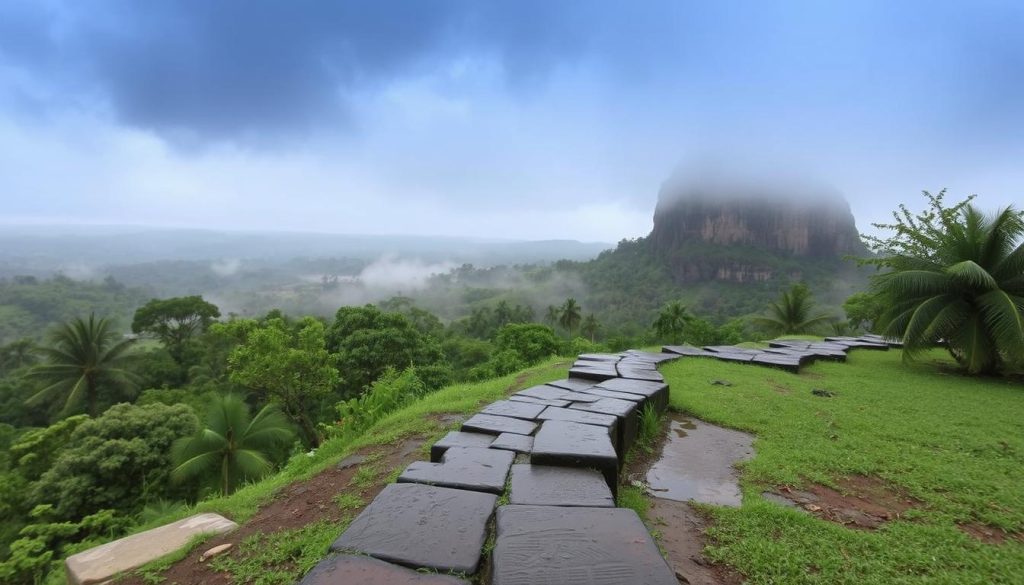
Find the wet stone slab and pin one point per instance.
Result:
(459, 439)
(544, 485)
(640, 373)
(627, 413)
(603, 393)
(686, 350)
(598, 357)
(781, 362)
(422, 526)
(467, 468)
(532, 400)
(656, 392)
(513, 409)
(588, 418)
(540, 545)
(574, 385)
(360, 570)
(571, 444)
(547, 392)
(513, 442)
(495, 425)
(593, 373)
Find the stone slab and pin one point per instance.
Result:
(571, 444)
(640, 373)
(781, 362)
(685, 350)
(513, 442)
(594, 374)
(574, 415)
(545, 485)
(422, 526)
(542, 545)
(513, 409)
(103, 562)
(532, 400)
(359, 570)
(458, 439)
(599, 357)
(466, 468)
(546, 392)
(569, 384)
(650, 356)
(604, 393)
(627, 413)
(730, 349)
(656, 392)
(495, 425)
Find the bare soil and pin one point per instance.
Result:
(861, 501)
(296, 505)
(989, 534)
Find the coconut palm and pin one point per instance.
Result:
(791, 314)
(85, 357)
(233, 446)
(967, 290)
(672, 321)
(551, 316)
(569, 315)
(590, 327)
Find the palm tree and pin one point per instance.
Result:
(791, 314)
(233, 445)
(551, 316)
(968, 291)
(672, 321)
(85, 356)
(590, 327)
(569, 316)
(18, 354)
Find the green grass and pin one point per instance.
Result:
(954, 443)
(280, 558)
(633, 497)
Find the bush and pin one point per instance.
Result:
(389, 393)
(532, 342)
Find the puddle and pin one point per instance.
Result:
(697, 463)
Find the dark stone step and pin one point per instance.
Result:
(360, 570)
(459, 439)
(514, 409)
(543, 545)
(627, 413)
(569, 384)
(547, 392)
(572, 444)
(532, 400)
(468, 468)
(575, 415)
(513, 442)
(422, 526)
(495, 425)
(592, 373)
(544, 485)
(656, 392)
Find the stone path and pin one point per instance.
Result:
(555, 451)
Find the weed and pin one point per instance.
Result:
(280, 558)
(349, 501)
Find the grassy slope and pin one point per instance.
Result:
(954, 443)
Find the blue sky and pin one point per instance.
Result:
(526, 119)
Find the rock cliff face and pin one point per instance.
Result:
(740, 234)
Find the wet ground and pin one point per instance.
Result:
(698, 463)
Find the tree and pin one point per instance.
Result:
(175, 321)
(531, 341)
(570, 316)
(791, 314)
(290, 366)
(85, 358)
(672, 322)
(115, 461)
(954, 274)
(863, 310)
(551, 316)
(17, 354)
(590, 327)
(233, 446)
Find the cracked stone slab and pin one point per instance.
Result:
(495, 425)
(422, 526)
(541, 545)
(513, 442)
(467, 468)
(100, 564)
(360, 570)
(459, 439)
(532, 400)
(545, 485)
(513, 409)
(656, 392)
(627, 413)
(571, 444)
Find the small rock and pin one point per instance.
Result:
(721, 383)
(217, 550)
(823, 393)
(351, 461)
(681, 577)
(813, 507)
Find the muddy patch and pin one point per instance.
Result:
(300, 504)
(859, 502)
(680, 532)
(989, 534)
(697, 463)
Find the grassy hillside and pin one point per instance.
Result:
(952, 444)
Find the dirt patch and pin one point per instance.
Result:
(860, 502)
(297, 505)
(989, 534)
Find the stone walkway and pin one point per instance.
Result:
(554, 452)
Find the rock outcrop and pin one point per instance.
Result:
(740, 232)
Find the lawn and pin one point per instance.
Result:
(954, 443)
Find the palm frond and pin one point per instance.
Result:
(972, 274)
(1003, 317)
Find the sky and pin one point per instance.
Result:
(525, 120)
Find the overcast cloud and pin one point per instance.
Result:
(520, 119)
